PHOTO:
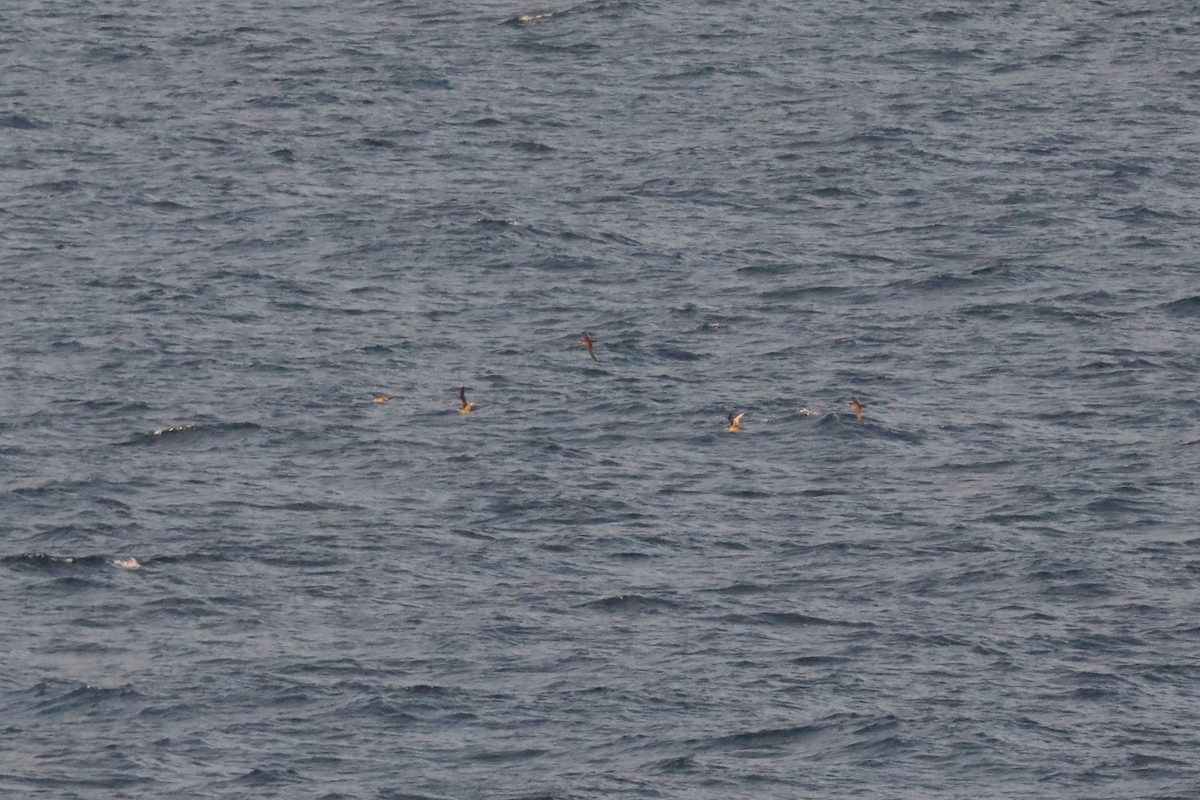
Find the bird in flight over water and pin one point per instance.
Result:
(587, 341)
(466, 407)
(379, 398)
(856, 406)
(735, 422)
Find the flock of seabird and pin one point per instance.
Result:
(588, 342)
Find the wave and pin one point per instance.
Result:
(1184, 307)
(12, 119)
(48, 561)
(537, 17)
(58, 697)
(635, 603)
(189, 431)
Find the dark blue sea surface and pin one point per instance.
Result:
(226, 573)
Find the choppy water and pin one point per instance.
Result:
(240, 220)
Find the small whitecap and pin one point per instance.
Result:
(127, 563)
(176, 429)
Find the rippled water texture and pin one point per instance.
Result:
(227, 573)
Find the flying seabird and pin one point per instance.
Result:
(587, 341)
(466, 407)
(379, 398)
(735, 422)
(856, 406)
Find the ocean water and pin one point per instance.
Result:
(225, 572)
